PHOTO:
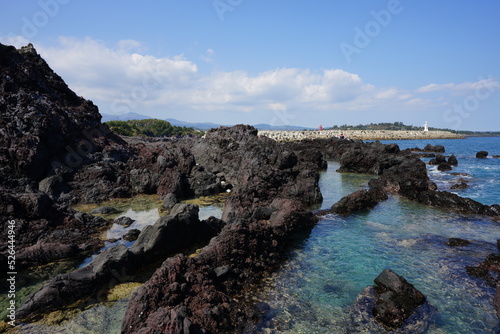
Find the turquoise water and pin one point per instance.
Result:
(315, 289)
(484, 183)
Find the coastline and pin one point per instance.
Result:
(284, 136)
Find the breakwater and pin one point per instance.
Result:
(282, 136)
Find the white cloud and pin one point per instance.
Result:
(125, 78)
(461, 88)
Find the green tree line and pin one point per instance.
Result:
(151, 128)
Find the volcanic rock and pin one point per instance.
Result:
(434, 148)
(396, 299)
(457, 242)
(169, 201)
(452, 160)
(124, 221)
(131, 235)
(482, 154)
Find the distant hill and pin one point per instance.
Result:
(125, 117)
(199, 126)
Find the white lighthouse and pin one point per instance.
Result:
(426, 127)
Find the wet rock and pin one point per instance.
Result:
(495, 156)
(104, 210)
(482, 154)
(396, 299)
(444, 166)
(132, 235)
(460, 174)
(439, 159)
(45, 252)
(434, 148)
(392, 148)
(394, 305)
(169, 201)
(359, 200)
(169, 235)
(457, 242)
(66, 289)
(124, 221)
(498, 243)
(54, 186)
(452, 160)
(232, 261)
(459, 185)
(144, 181)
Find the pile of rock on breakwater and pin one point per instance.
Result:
(54, 153)
(284, 136)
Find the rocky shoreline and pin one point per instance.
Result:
(55, 153)
(285, 136)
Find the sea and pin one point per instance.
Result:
(316, 287)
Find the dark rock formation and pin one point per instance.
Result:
(452, 160)
(195, 294)
(444, 166)
(488, 270)
(482, 154)
(124, 221)
(457, 242)
(169, 201)
(460, 185)
(168, 235)
(434, 148)
(44, 126)
(132, 235)
(396, 299)
(439, 159)
(394, 304)
(359, 200)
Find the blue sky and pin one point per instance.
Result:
(253, 61)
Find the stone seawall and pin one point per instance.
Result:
(282, 136)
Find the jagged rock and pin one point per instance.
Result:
(169, 235)
(459, 185)
(359, 200)
(201, 286)
(132, 235)
(439, 159)
(54, 186)
(104, 210)
(393, 305)
(124, 221)
(66, 289)
(169, 201)
(457, 242)
(452, 160)
(396, 299)
(434, 148)
(482, 154)
(444, 166)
